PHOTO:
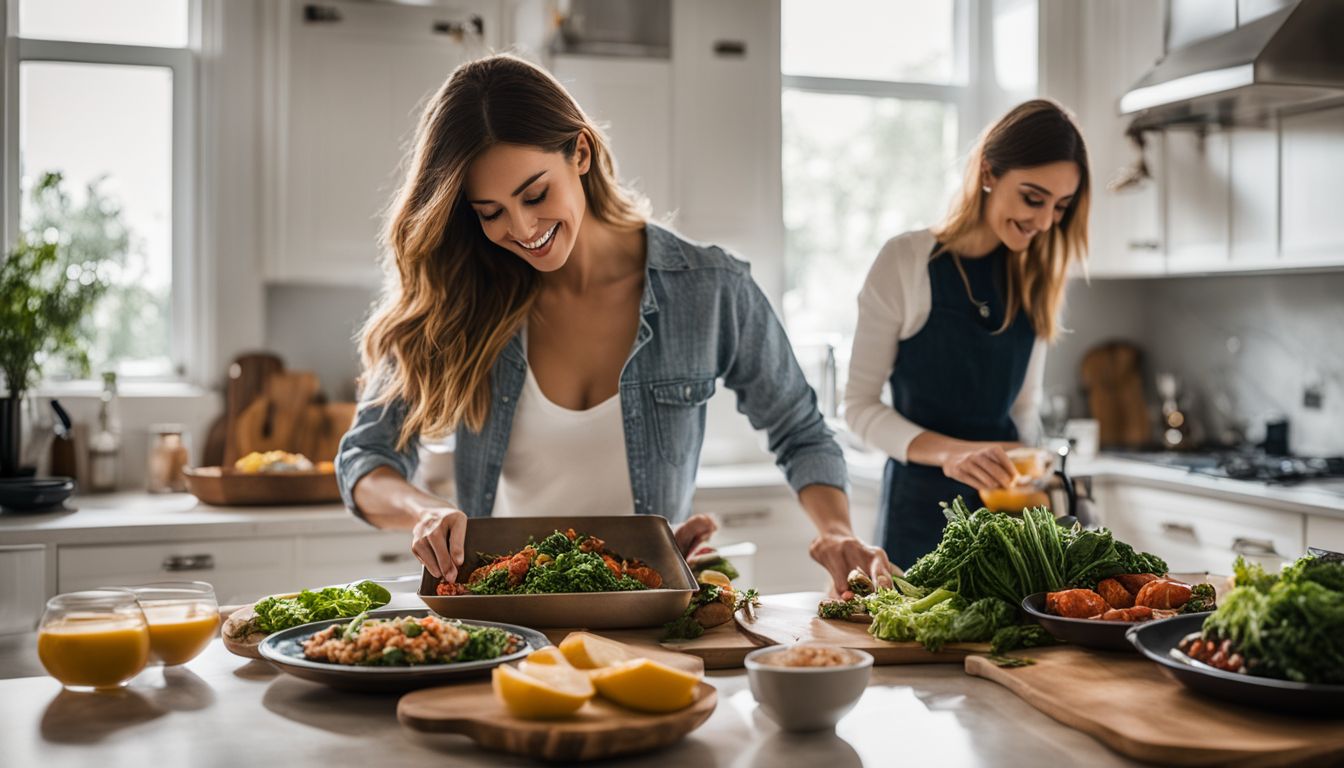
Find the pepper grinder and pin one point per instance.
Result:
(1175, 429)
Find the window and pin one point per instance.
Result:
(104, 148)
(874, 99)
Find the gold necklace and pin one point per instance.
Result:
(981, 306)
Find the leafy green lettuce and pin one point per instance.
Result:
(277, 613)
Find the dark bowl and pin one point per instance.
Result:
(1089, 633)
(34, 494)
(1159, 641)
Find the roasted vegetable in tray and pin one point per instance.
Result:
(561, 562)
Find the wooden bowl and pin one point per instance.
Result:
(226, 487)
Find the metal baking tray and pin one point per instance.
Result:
(642, 537)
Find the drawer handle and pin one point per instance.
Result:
(1255, 548)
(744, 517)
(189, 563)
(394, 557)
(1179, 529)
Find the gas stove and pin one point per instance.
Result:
(1253, 466)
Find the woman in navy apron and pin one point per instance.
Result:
(956, 320)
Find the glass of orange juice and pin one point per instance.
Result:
(1027, 490)
(93, 640)
(183, 618)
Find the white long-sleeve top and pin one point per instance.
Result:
(893, 306)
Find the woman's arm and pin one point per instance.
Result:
(372, 476)
(836, 547)
(774, 394)
(1026, 410)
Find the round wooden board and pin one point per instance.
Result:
(599, 730)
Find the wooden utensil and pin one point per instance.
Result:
(599, 730)
(1131, 706)
(1112, 376)
(785, 623)
(248, 375)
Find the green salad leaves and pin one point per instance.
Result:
(989, 554)
(277, 613)
(934, 618)
(570, 571)
(1289, 626)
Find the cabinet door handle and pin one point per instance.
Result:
(1144, 245)
(174, 563)
(1179, 529)
(393, 557)
(743, 517)
(1255, 548)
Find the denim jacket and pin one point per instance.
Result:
(702, 318)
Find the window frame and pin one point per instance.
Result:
(187, 329)
(965, 93)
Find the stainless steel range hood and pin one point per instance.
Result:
(1292, 57)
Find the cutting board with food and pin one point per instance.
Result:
(588, 699)
(1129, 704)
(245, 626)
(785, 622)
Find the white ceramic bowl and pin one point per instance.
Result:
(807, 698)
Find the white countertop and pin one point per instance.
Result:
(221, 710)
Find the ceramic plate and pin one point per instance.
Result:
(284, 649)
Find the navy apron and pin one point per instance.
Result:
(956, 376)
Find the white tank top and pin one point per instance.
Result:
(563, 462)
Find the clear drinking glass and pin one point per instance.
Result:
(93, 640)
(183, 618)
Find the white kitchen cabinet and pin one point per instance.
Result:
(326, 560)
(1196, 533)
(1254, 193)
(1120, 42)
(1312, 156)
(631, 98)
(1198, 173)
(239, 569)
(726, 131)
(1325, 532)
(23, 589)
(342, 99)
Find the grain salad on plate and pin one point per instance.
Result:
(405, 641)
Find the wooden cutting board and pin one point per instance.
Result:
(784, 623)
(1131, 706)
(599, 730)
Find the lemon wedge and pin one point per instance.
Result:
(548, 655)
(541, 691)
(586, 651)
(717, 578)
(646, 685)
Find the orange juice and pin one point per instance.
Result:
(178, 632)
(1014, 499)
(94, 651)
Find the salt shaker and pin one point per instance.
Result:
(167, 459)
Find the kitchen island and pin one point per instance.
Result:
(222, 710)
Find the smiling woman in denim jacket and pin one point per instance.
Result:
(569, 343)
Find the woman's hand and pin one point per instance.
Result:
(695, 531)
(980, 465)
(437, 540)
(840, 554)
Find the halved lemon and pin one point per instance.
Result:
(541, 691)
(592, 652)
(717, 578)
(548, 655)
(646, 685)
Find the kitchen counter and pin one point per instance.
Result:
(1316, 497)
(223, 710)
(142, 517)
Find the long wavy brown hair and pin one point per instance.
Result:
(453, 299)
(1034, 133)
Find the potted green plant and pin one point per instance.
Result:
(43, 300)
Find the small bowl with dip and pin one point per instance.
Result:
(809, 686)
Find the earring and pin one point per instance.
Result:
(986, 189)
